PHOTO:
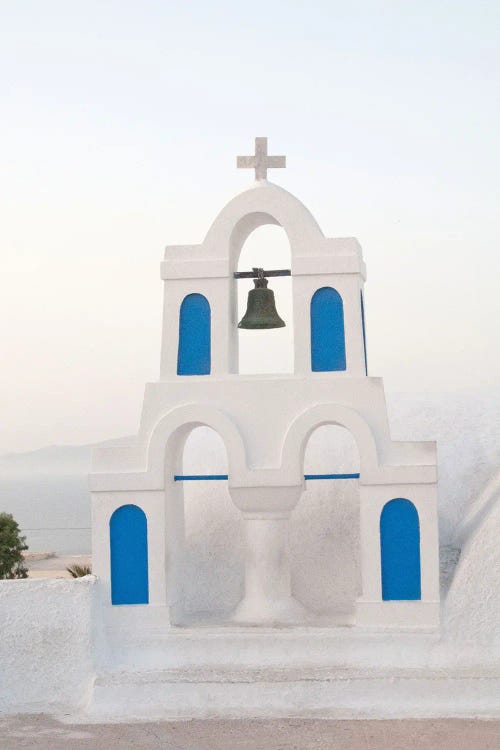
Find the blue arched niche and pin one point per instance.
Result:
(400, 550)
(193, 356)
(128, 538)
(327, 331)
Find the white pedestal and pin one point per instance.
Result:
(268, 596)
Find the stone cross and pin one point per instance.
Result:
(261, 162)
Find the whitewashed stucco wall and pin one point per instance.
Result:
(49, 655)
(471, 621)
(45, 644)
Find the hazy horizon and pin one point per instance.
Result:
(47, 490)
(121, 123)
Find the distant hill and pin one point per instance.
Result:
(55, 459)
(47, 493)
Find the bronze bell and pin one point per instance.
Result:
(261, 307)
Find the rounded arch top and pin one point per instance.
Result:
(131, 508)
(304, 425)
(265, 203)
(179, 422)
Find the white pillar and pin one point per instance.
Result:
(268, 592)
(371, 610)
(152, 503)
(267, 564)
(370, 507)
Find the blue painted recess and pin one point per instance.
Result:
(364, 331)
(128, 535)
(193, 356)
(327, 331)
(400, 551)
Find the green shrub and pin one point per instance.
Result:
(78, 571)
(12, 546)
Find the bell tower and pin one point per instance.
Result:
(199, 384)
(327, 285)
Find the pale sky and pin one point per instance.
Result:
(121, 122)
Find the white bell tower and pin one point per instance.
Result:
(199, 384)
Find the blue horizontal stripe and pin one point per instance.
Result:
(195, 477)
(331, 476)
(219, 477)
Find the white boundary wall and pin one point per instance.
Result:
(45, 644)
(56, 657)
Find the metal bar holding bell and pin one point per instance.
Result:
(261, 307)
(254, 273)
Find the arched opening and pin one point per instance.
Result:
(212, 570)
(400, 550)
(193, 357)
(325, 527)
(327, 331)
(128, 539)
(271, 350)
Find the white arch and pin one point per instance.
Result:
(263, 204)
(172, 429)
(294, 445)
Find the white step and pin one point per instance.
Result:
(292, 692)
